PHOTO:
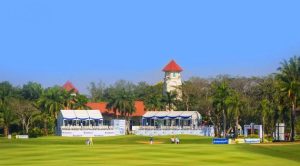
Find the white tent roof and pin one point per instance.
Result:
(172, 114)
(81, 114)
(94, 114)
(162, 113)
(149, 114)
(67, 114)
(187, 113)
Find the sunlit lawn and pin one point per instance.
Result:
(135, 150)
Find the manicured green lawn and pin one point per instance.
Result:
(135, 150)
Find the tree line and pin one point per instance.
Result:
(33, 110)
(225, 101)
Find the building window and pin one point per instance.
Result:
(174, 74)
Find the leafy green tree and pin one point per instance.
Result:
(289, 80)
(31, 91)
(26, 112)
(97, 91)
(141, 91)
(6, 90)
(195, 95)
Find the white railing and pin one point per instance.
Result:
(171, 127)
(175, 130)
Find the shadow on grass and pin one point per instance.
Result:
(124, 140)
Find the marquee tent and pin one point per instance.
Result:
(172, 118)
(79, 118)
(172, 114)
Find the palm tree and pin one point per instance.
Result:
(234, 106)
(80, 102)
(170, 99)
(289, 80)
(31, 91)
(153, 103)
(6, 118)
(68, 98)
(50, 103)
(267, 112)
(220, 94)
(53, 100)
(123, 103)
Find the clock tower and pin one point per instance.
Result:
(172, 79)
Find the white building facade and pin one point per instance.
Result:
(172, 79)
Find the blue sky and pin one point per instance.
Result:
(82, 41)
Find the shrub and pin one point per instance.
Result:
(35, 132)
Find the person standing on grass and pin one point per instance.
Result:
(91, 141)
(151, 140)
(177, 140)
(87, 141)
(173, 140)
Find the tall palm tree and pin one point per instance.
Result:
(234, 106)
(123, 103)
(289, 80)
(53, 100)
(6, 118)
(266, 112)
(170, 99)
(220, 94)
(50, 103)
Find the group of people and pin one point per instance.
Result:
(175, 140)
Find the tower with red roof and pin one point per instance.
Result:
(68, 86)
(172, 80)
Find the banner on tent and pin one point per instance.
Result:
(89, 133)
(118, 129)
(200, 132)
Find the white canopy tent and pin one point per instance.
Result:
(94, 114)
(79, 118)
(172, 118)
(86, 123)
(172, 114)
(67, 114)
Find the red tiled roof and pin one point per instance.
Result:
(139, 108)
(68, 86)
(172, 66)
